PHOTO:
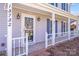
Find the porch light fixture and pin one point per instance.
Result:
(38, 19)
(18, 16)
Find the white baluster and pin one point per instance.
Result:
(26, 43)
(14, 47)
(23, 45)
(19, 46)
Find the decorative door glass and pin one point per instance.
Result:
(29, 28)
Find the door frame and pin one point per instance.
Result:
(22, 25)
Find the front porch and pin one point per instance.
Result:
(20, 44)
(62, 29)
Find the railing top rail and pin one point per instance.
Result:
(16, 38)
(63, 32)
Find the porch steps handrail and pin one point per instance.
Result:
(22, 43)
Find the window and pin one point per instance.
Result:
(52, 4)
(66, 7)
(61, 26)
(56, 4)
(64, 27)
(63, 6)
(56, 26)
(49, 26)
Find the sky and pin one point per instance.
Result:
(75, 8)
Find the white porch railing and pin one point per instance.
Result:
(61, 34)
(59, 37)
(73, 34)
(20, 46)
(48, 37)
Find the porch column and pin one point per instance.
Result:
(69, 28)
(9, 29)
(53, 29)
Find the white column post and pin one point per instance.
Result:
(46, 40)
(69, 28)
(26, 44)
(9, 29)
(53, 28)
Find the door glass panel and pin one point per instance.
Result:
(29, 23)
(29, 28)
(49, 26)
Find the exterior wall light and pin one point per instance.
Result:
(38, 19)
(18, 16)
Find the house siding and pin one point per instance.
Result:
(3, 27)
(16, 24)
(41, 28)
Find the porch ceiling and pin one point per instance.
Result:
(58, 17)
(31, 9)
(43, 8)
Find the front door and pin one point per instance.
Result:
(28, 25)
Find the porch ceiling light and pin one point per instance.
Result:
(18, 16)
(38, 19)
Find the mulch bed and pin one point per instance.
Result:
(68, 48)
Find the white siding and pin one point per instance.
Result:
(40, 30)
(3, 26)
(16, 29)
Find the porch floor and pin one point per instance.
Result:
(68, 48)
(36, 46)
